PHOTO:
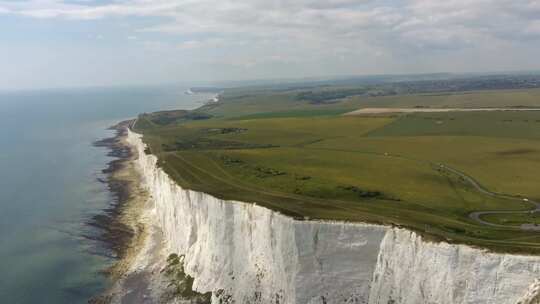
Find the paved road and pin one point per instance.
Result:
(477, 215)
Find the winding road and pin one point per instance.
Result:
(477, 215)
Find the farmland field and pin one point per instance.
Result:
(309, 161)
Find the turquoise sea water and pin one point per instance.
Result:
(49, 187)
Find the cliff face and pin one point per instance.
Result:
(250, 254)
(410, 270)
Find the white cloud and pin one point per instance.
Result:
(315, 18)
(533, 28)
(84, 11)
(352, 35)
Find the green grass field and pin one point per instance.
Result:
(309, 161)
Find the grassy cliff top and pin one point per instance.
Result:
(293, 151)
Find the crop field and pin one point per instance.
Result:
(287, 103)
(412, 170)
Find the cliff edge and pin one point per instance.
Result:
(244, 253)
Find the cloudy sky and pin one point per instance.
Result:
(52, 43)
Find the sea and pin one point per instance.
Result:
(50, 186)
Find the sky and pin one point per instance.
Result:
(52, 43)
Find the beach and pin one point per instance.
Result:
(129, 230)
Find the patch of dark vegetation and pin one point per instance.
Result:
(231, 161)
(226, 130)
(177, 116)
(455, 230)
(263, 172)
(258, 171)
(180, 283)
(303, 178)
(329, 96)
(325, 102)
(362, 193)
(203, 143)
(368, 194)
(516, 152)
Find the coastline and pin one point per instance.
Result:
(131, 231)
(139, 274)
(128, 228)
(122, 229)
(273, 258)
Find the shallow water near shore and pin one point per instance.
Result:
(49, 186)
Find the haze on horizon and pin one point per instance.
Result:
(51, 43)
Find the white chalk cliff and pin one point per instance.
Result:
(245, 253)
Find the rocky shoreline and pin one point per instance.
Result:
(129, 230)
(114, 233)
(121, 230)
